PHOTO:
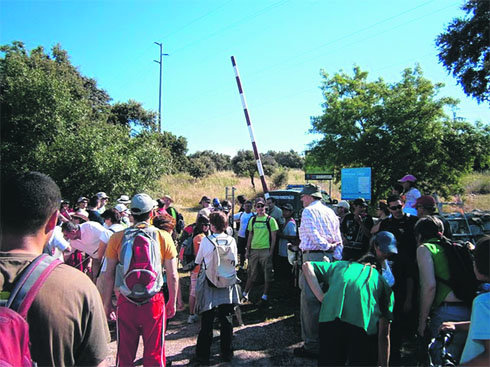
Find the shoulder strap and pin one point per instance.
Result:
(29, 283)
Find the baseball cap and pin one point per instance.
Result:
(168, 197)
(102, 195)
(312, 190)
(287, 206)
(142, 203)
(386, 242)
(343, 204)
(82, 198)
(360, 202)
(260, 200)
(120, 207)
(124, 199)
(410, 178)
(216, 202)
(426, 201)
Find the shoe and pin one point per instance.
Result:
(263, 303)
(304, 353)
(192, 319)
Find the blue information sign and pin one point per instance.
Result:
(356, 183)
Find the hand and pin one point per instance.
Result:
(170, 310)
(447, 326)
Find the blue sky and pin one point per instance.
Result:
(279, 45)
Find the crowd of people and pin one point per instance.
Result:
(368, 285)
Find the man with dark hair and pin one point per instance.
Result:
(425, 206)
(356, 230)
(92, 209)
(405, 271)
(135, 317)
(63, 330)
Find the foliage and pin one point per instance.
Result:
(177, 145)
(201, 166)
(280, 178)
(221, 161)
(244, 164)
(464, 49)
(54, 120)
(289, 159)
(132, 113)
(396, 129)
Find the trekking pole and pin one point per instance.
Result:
(250, 129)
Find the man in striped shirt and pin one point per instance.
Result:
(320, 241)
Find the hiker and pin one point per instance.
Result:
(124, 212)
(212, 298)
(260, 249)
(410, 192)
(103, 201)
(206, 209)
(320, 241)
(201, 230)
(137, 313)
(286, 236)
(82, 203)
(425, 206)
(242, 218)
(383, 247)
(356, 310)
(112, 220)
(89, 237)
(437, 298)
(65, 211)
(382, 212)
(92, 209)
(356, 230)
(66, 321)
(342, 209)
(57, 246)
(477, 347)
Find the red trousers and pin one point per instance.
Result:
(147, 320)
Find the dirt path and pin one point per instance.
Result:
(267, 338)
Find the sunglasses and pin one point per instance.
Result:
(396, 207)
(259, 205)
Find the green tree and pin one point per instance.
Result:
(54, 120)
(464, 49)
(132, 114)
(201, 166)
(395, 128)
(244, 164)
(289, 159)
(177, 145)
(221, 161)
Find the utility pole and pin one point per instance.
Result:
(160, 87)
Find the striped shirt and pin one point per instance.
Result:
(320, 229)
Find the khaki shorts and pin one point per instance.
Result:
(260, 261)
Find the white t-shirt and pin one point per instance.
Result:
(243, 217)
(479, 328)
(410, 198)
(92, 233)
(57, 244)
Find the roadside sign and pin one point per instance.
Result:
(356, 183)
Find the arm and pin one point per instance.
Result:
(481, 359)
(273, 241)
(383, 342)
(312, 280)
(170, 266)
(427, 286)
(455, 325)
(108, 285)
(249, 244)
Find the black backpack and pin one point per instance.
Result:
(462, 279)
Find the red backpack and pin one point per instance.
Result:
(14, 330)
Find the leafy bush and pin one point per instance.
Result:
(201, 166)
(280, 178)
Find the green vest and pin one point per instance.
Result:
(441, 271)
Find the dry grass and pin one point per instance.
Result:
(187, 191)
